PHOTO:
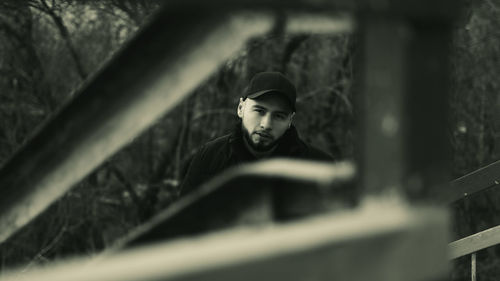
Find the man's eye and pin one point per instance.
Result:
(259, 110)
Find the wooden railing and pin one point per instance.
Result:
(403, 62)
(466, 186)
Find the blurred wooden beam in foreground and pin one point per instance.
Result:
(404, 68)
(167, 60)
(378, 242)
(260, 193)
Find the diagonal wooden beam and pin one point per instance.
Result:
(470, 184)
(166, 61)
(475, 242)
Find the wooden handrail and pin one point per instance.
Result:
(472, 183)
(475, 242)
(467, 185)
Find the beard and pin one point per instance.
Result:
(261, 146)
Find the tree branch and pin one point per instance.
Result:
(63, 31)
(44, 250)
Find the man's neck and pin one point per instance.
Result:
(256, 153)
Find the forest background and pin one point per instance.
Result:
(49, 48)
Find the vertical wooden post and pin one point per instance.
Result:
(473, 266)
(427, 106)
(382, 123)
(403, 104)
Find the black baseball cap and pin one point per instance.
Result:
(271, 82)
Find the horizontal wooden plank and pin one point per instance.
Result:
(372, 243)
(475, 242)
(166, 61)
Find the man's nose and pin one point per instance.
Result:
(266, 122)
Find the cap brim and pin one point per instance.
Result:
(260, 93)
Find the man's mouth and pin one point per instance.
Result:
(264, 135)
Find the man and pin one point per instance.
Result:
(266, 111)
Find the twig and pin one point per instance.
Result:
(121, 178)
(43, 251)
(63, 31)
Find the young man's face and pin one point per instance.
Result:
(265, 119)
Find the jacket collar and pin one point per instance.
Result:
(288, 145)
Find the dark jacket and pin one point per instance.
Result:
(230, 150)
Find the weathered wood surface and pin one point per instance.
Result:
(475, 242)
(381, 242)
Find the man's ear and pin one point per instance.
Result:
(241, 106)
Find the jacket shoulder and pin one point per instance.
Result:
(205, 163)
(215, 145)
(213, 153)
